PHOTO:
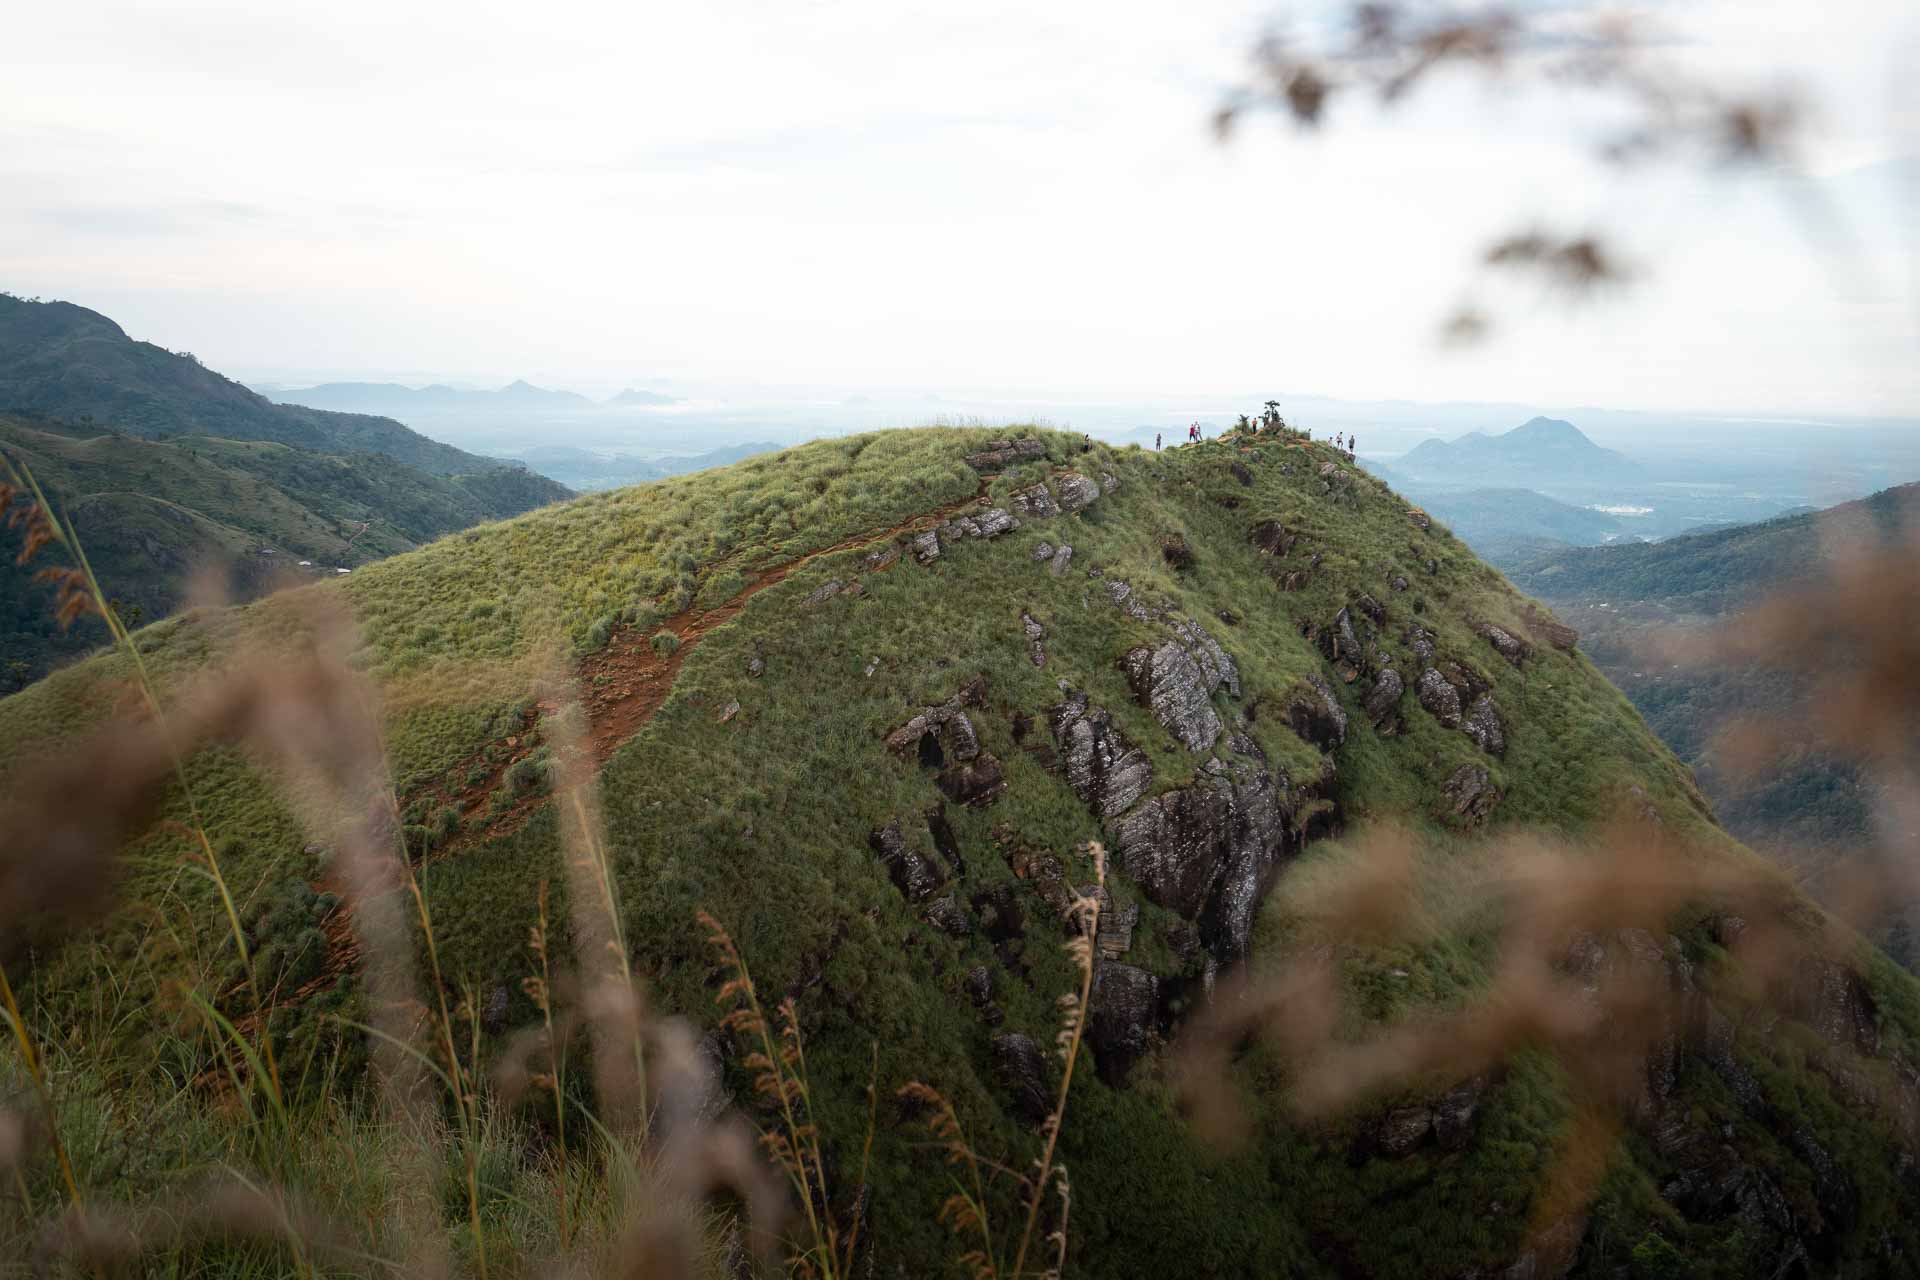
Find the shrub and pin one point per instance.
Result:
(599, 633)
(665, 643)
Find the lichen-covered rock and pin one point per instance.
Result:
(1124, 1016)
(1383, 701)
(1062, 557)
(1076, 491)
(1109, 482)
(1441, 699)
(912, 872)
(1021, 1069)
(995, 521)
(1482, 723)
(1372, 609)
(926, 546)
(881, 557)
(1043, 550)
(1000, 454)
(1315, 714)
(1470, 793)
(1105, 770)
(1504, 642)
(1217, 667)
(1170, 684)
(1423, 643)
(1035, 501)
(825, 591)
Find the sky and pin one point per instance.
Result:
(990, 197)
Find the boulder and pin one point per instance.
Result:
(1441, 700)
(1315, 714)
(1239, 472)
(881, 557)
(1453, 1114)
(978, 986)
(1504, 642)
(949, 917)
(1175, 551)
(1000, 454)
(1109, 482)
(825, 591)
(1402, 1129)
(1062, 557)
(1374, 611)
(1043, 551)
(1271, 538)
(995, 521)
(1422, 642)
(1482, 724)
(1021, 1069)
(1124, 1015)
(1035, 501)
(1171, 685)
(1105, 770)
(1470, 793)
(912, 872)
(1383, 701)
(926, 546)
(1076, 491)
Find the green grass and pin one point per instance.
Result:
(763, 820)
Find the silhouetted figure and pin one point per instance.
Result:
(1156, 442)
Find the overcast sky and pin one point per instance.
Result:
(875, 195)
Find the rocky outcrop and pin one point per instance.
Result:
(1549, 628)
(1315, 714)
(1021, 1069)
(949, 917)
(1105, 770)
(1123, 1017)
(912, 872)
(1482, 723)
(977, 782)
(926, 546)
(939, 733)
(1035, 501)
(1062, 557)
(1001, 454)
(1076, 492)
(1441, 699)
(1505, 643)
(1383, 701)
(1470, 794)
(1271, 538)
(1175, 551)
(1170, 684)
(1209, 851)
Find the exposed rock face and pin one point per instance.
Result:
(1454, 1112)
(912, 872)
(1170, 684)
(1001, 454)
(1383, 702)
(947, 915)
(926, 546)
(1124, 1015)
(1239, 472)
(1272, 538)
(1402, 1129)
(1420, 519)
(1105, 770)
(995, 521)
(1343, 642)
(1209, 850)
(1043, 551)
(1504, 642)
(1076, 491)
(1021, 1069)
(1315, 713)
(825, 591)
(1035, 501)
(881, 558)
(1441, 699)
(1036, 635)
(978, 782)
(1471, 793)
(1175, 551)
(1482, 723)
(1421, 641)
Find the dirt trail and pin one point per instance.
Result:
(625, 683)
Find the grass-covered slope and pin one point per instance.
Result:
(59, 360)
(746, 772)
(153, 512)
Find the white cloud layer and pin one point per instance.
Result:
(863, 194)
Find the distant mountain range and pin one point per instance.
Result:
(1813, 812)
(166, 467)
(516, 397)
(62, 361)
(1547, 450)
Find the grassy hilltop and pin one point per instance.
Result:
(743, 642)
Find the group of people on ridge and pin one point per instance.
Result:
(1269, 421)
